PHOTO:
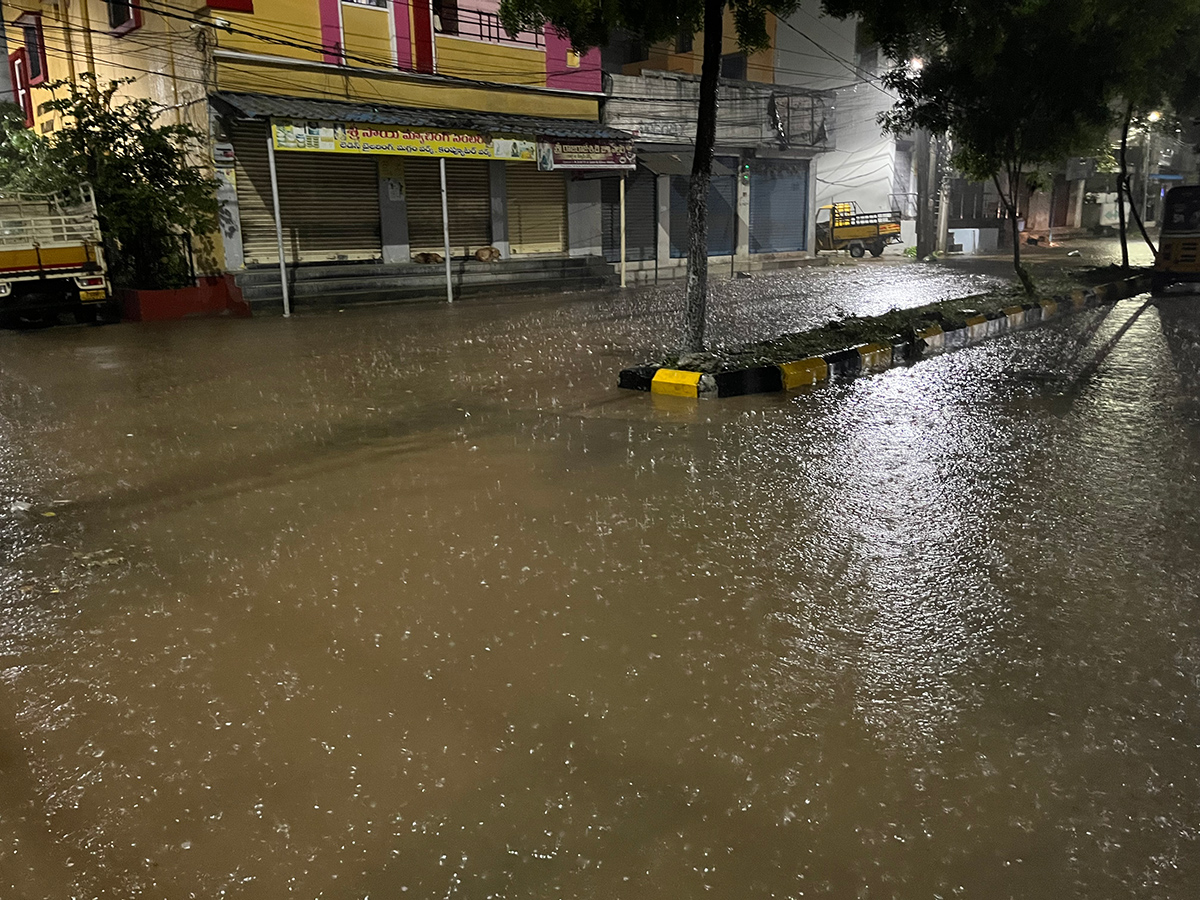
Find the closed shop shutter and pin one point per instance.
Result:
(328, 203)
(722, 207)
(641, 216)
(537, 210)
(778, 206)
(468, 205)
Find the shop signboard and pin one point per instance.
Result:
(585, 154)
(343, 137)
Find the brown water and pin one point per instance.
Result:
(412, 602)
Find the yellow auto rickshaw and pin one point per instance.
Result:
(1178, 258)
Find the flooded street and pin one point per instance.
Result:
(412, 601)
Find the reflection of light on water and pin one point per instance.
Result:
(911, 604)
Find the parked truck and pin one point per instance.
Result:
(843, 226)
(51, 258)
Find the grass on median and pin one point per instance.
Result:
(905, 323)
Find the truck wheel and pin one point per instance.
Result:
(877, 250)
(857, 251)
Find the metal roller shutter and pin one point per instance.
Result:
(722, 204)
(778, 206)
(537, 210)
(641, 216)
(328, 203)
(468, 204)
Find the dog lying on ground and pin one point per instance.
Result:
(428, 258)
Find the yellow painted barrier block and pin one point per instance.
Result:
(1013, 310)
(1103, 291)
(977, 328)
(805, 372)
(1049, 308)
(1078, 298)
(934, 338)
(676, 383)
(875, 356)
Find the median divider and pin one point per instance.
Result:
(930, 339)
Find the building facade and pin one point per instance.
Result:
(332, 122)
(341, 114)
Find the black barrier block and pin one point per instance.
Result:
(904, 350)
(638, 378)
(843, 363)
(760, 380)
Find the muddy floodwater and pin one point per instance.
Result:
(411, 601)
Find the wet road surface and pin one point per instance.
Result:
(413, 602)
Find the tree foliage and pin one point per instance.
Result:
(1018, 83)
(150, 191)
(589, 24)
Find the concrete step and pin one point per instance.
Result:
(265, 300)
(359, 282)
(298, 274)
(428, 284)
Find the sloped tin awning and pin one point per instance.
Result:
(268, 106)
(679, 163)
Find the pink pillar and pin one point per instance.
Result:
(584, 77)
(403, 35)
(331, 30)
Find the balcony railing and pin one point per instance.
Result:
(477, 25)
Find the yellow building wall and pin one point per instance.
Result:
(160, 58)
(760, 66)
(293, 20)
(367, 87)
(367, 33)
(490, 62)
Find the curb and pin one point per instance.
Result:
(868, 359)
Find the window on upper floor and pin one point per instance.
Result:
(35, 47)
(445, 16)
(378, 4)
(683, 42)
(123, 16)
(18, 70)
(733, 65)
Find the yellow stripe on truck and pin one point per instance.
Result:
(676, 383)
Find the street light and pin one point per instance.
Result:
(1153, 117)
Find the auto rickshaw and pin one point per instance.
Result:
(843, 226)
(1178, 258)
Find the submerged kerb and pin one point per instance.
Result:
(867, 358)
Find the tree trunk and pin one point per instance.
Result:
(1137, 217)
(1010, 205)
(706, 136)
(1123, 186)
(925, 224)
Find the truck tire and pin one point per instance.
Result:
(858, 251)
(877, 249)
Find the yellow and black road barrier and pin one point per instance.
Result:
(873, 357)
